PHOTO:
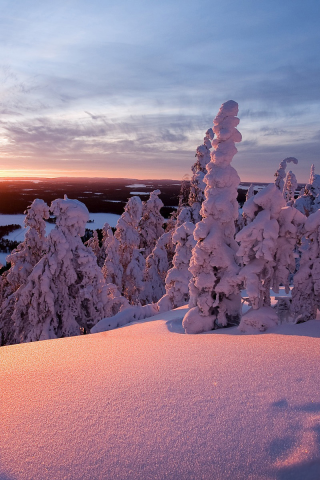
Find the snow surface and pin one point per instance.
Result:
(99, 220)
(139, 193)
(136, 185)
(148, 402)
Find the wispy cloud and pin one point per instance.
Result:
(141, 82)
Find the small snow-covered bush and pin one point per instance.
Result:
(177, 279)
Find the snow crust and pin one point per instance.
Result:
(148, 402)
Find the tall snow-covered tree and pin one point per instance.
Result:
(151, 223)
(289, 188)
(243, 219)
(22, 259)
(177, 279)
(199, 170)
(306, 282)
(258, 244)
(309, 199)
(132, 261)
(30, 251)
(281, 172)
(291, 223)
(66, 290)
(112, 269)
(94, 243)
(214, 295)
(157, 266)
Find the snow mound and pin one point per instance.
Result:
(261, 320)
(143, 402)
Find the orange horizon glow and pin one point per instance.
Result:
(6, 174)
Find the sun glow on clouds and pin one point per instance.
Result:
(135, 98)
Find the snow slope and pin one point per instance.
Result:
(147, 401)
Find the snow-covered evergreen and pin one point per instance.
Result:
(94, 244)
(132, 261)
(151, 223)
(157, 266)
(281, 172)
(214, 295)
(309, 199)
(289, 188)
(199, 170)
(66, 290)
(177, 279)
(291, 223)
(306, 289)
(258, 244)
(30, 251)
(112, 269)
(22, 260)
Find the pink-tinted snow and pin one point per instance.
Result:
(149, 402)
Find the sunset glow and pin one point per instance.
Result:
(135, 98)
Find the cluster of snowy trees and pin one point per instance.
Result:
(208, 253)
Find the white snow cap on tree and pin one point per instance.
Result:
(177, 279)
(281, 172)
(71, 216)
(214, 294)
(151, 223)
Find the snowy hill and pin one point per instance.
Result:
(147, 401)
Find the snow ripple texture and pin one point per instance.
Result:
(148, 402)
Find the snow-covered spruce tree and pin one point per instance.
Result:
(243, 219)
(157, 266)
(132, 261)
(94, 244)
(281, 172)
(214, 295)
(22, 260)
(258, 244)
(289, 188)
(199, 170)
(66, 289)
(250, 192)
(291, 223)
(177, 279)
(112, 269)
(30, 251)
(151, 223)
(309, 199)
(306, 282)
(267, 253)
(184, 192)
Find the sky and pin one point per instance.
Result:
(128, 88)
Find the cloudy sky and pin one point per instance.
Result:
(128, 88)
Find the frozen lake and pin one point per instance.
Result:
(99, 219)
